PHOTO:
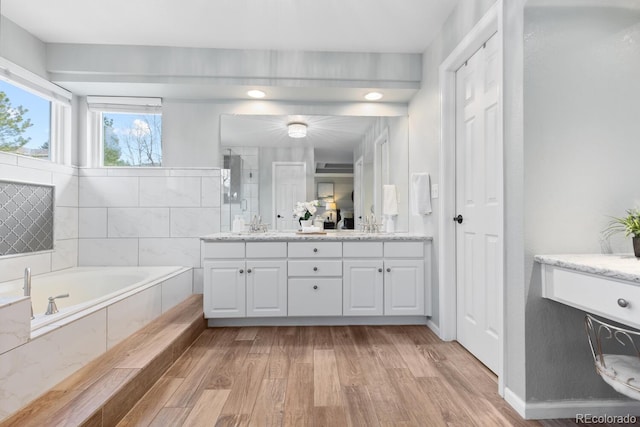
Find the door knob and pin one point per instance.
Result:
(315, 249)
(315, 286)
(623, 302)
(279, 216)
(315, 268)
(379, 270)
(248, 270)
(241, 271)
(458, 218)
(388, 270)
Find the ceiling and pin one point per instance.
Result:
(402, 26)
(330, 133)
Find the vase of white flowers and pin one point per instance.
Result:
(304, 211)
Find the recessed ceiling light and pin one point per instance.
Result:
(255, 93)
(373, 96)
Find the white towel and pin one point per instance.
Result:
(389, 200)
(421, 197)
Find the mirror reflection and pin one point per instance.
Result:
(271, 162)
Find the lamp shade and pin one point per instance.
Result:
(297, 130)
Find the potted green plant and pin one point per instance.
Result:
(629, 225)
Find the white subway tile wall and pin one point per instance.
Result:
(65, 180)
(119, 216)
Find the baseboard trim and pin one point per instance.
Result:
(516, 403)
(435, 328)
(571, 408)
(319, 321)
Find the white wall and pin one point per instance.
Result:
(424, 119)
(581, 151)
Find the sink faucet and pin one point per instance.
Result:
(27, 286)
(256, 225)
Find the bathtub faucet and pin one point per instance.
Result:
(27, 286)
(52, 307)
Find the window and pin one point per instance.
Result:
(130, 130)
(25, 122)
(35, 115)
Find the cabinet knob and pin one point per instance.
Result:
(623, 302)
(379, 270)
(241, 271)
(248, 270)
(315, 268)
(315, 286)
(315, 249)
(388, 270)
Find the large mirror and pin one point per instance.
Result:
(343, 161)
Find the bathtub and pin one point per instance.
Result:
(89, 289)
(105, 306)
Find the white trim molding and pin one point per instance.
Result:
(489, 24)
(571, 408)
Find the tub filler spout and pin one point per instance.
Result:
(52, 307)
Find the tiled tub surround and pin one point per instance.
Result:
(59, 346)
(147, 216)
(65, 181)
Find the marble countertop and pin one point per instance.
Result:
(617, 266)
(330, 236)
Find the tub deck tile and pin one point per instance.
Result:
(102, 392)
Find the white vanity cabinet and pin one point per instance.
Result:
(315, 278)
(244, 281)
(301, 277)
(384, 278)
(404, 280)
(363, 280)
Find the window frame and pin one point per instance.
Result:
(60, 115)
(98, 105)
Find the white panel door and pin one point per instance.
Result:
(289, 187)
(266, 288)
(224, 288)
(478, 206)
(403, 287)
(362, 287)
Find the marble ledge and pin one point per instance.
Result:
(330, 236)
(616, 266)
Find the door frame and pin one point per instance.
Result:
(273, 188)
(491, 23)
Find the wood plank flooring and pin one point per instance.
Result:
(326, 376)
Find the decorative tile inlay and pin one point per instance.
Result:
(26, 218)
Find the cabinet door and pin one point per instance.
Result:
(224, 289)
(362, 288)
(403, 287)
(266, 288)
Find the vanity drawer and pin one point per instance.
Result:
(593, 294)
(223, 250)
(315, 297)
(315, 267)
(315, 249)
(362, 249)
(266, 249)
(403, 249)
